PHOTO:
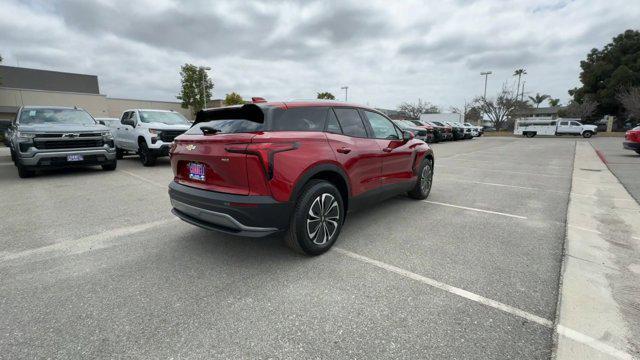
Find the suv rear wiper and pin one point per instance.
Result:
(208, 130)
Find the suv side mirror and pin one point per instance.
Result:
(407, 135)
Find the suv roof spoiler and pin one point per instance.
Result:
(251, 112)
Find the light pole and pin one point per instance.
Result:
(346, 90)
(486, 75)
(204, 89)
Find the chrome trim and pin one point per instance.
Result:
(216, 218)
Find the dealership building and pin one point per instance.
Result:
(22, 86)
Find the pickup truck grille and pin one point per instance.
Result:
(421, 133)
(46, 144)
(169, 135)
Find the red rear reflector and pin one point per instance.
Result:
(234, 204)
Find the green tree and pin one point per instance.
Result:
(326, 95)
(233, 99)
(538, 99)
(196, 87)
(554, 102)
(606, 71)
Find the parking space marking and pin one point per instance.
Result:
(450, 289)
(494, 161)
(505, 171)
(6, 163)
(475, 209)
(164, 186)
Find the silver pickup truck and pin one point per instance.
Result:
(54, 137)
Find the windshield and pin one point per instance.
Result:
(163, 117)
(55, 116)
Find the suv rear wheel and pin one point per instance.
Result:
(147, 158)
(317, 218)
(425, 178)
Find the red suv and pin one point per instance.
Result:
(294, 168)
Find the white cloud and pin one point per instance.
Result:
(385, 52)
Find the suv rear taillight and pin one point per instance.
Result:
(264, 151)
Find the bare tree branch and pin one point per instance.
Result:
(414, 110)
(502, 110)
(630, 100)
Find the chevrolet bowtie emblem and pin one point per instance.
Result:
(190, 147)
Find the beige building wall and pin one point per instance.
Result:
(117, 106)
(96, 105)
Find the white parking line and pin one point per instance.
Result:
(164, 186)
(504, 171)
(6, 163)
(478, 210)
(591, 342)
(451, 289)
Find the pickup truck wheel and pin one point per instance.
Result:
(425, 178)
(110, 166)
(13, 155)
(587, 134)
(24, 173)
(146, 157)
(317, 219)
(119, 153)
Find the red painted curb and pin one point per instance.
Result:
(601, 156)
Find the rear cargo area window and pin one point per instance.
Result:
(240, 119)
(300, 119)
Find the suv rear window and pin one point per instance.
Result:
(237, 119)
(300, 119)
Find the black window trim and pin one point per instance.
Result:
(326, 122)
(365, 123)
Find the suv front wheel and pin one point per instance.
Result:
(317, 218)
(147, 157)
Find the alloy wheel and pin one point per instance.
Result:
(323, 219)
(426, 178)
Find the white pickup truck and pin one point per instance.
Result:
(148, 133)
(561, 126)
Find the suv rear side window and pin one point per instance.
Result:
(332, 123)
(351, 122)
(382, 128)
(300, 119)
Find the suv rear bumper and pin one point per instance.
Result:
(59, 158)
(250, 216)
(631, 145)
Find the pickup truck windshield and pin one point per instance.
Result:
(55, 116)
(168, 118)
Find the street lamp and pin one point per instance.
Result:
(346, 90)
(486, 75)
(204, 89)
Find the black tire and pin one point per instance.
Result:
(147, 158)
(13, 155)
(425, 179)
(530, 134)
(119, 153)
(587, 134)
(110, 166)
(638, 152)
(25, 173)
(301, 236)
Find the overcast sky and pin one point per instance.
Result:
(387, 52)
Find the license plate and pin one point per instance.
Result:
(196, 171)
(75, 158)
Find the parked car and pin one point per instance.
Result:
(111, 123)
(467, 131)
(51, 137)
(632, 139)
(148, 133)
(419, 133)
(431, 132)
(475, 130)
(445, 131)
(531, 128)
(296, 168)
(458, 130)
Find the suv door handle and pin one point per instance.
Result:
(343, 150)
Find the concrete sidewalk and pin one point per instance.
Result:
(599, 303)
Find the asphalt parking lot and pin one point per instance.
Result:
(94, 265)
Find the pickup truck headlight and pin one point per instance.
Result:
(25, 135)
(107, 135)
(154, 132)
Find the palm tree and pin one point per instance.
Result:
(519, 73)
(539, 99)
(554, 102)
